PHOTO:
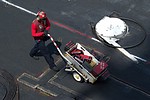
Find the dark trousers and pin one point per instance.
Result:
(40, 49)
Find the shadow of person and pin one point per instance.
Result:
(52, 49)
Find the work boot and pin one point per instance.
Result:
(55, 69)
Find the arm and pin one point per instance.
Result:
(34, 31)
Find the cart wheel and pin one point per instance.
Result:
(77, 77)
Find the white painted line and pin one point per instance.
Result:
(30, 12)
(37, 86)
(21, 8)
(34, 86)
(48, 69)
(64, 88)
(27, 83)
(128, 54)
(56, 75)
(132, 86)
(69, 90)
(59, 60)
(46, 91)
(19, 77)
(96, 40)
(132, 57)
(140, 58)
(29, 76)
(44, 73)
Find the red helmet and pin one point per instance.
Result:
(41, 15)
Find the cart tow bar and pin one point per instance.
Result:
(68, 62)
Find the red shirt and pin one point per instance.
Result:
(38, 27)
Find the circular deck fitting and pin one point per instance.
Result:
(111, 27)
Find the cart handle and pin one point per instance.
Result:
(68, 62)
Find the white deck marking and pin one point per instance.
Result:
(21, 8)
(30, 12)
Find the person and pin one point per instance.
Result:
(39, 29)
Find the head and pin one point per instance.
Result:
(41, 15)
